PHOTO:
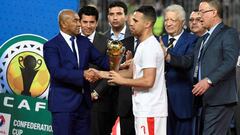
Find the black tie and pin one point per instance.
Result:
(73, 46)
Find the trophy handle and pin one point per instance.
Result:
(39, 63)
(109, 41)
(20, 60)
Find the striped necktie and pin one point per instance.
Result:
(170, 44)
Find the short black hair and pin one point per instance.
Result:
(119, 4)
(89, 11)
(148, 12)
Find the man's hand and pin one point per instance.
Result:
(201, 87)
(162, 46)
(91, 76)
(128, 60)
(167, 56)
(115, 77)
(128, 55)
(100, 74)
(126, 64)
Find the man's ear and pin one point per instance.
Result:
(215, 13)
(148, 24)
(63, 24)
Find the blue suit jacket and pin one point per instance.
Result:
(67, 81)
(178, 80)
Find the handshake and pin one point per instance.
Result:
(92, 75)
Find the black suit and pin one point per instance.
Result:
(218, 63)
(101, 120)
(125, 99)
(123, 94)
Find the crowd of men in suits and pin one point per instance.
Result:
(200, 71)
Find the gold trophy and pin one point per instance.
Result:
(115, 51)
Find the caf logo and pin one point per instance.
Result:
(22, 68)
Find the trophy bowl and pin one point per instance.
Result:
(115, 52)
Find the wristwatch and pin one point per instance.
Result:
(94, 94)
(209, 81)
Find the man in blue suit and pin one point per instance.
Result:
(178, 81)
(67, 57)
(214, 68)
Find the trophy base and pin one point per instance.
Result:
(112, 84)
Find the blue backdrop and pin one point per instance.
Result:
(25, 25)
(32, 16)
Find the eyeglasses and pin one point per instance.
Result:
(203, 12)
(195, 19)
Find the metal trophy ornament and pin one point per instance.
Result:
(115, 51)
(29, 67)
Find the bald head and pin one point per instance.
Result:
(69, 22)
(64, 15)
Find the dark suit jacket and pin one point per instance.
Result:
(100, 42)
(178, 80)
(123, 93)
(104, 102)
(67, 81)
(218, 63)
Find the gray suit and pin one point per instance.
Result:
(218, 63)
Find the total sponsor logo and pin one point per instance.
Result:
(4, 123)
(2, 120)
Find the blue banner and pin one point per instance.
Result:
(24, 79)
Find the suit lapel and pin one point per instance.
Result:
(82, 50)
(108, 33)
(99, 43)
(179, 46)
(212, 37)
(66, 49)
(127, 32)
(79, 52)
(165, 40)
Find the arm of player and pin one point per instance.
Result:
(144, 82)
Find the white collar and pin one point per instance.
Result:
(90, 37)
(123, 31)
(176, 37)
(65, 36)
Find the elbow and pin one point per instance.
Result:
(149, 84)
